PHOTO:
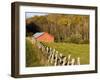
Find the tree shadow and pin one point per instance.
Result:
(32, 28)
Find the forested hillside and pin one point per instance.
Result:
(64, 27)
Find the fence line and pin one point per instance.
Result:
(54, 57)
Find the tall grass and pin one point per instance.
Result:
(34, 57)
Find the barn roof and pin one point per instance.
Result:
(38, 34)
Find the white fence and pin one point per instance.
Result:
(54, 57)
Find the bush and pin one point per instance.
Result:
(75, 38)
(29, 34)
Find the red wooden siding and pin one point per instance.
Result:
(45, 38)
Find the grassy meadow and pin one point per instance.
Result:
(35, 58)
(76, 50)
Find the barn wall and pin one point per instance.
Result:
(46, 38)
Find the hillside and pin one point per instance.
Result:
(34, 56)
(64, 27)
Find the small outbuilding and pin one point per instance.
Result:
(44, 37)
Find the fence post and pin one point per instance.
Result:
(73, 61)
(64, 61)
(56, 57)
(33, 40)
(78, 61)
(60, 58)
(52, 58)
(68, 61)
(43, 48)
(50, 54)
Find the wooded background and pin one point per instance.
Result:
(67, 28)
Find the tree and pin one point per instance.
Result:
(64, 27)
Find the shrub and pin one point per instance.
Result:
(75, 38)
(29, 34)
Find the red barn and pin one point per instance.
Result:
(43, 36)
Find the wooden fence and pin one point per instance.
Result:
(54, 57)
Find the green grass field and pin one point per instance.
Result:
(76, 50)
(34, 56)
